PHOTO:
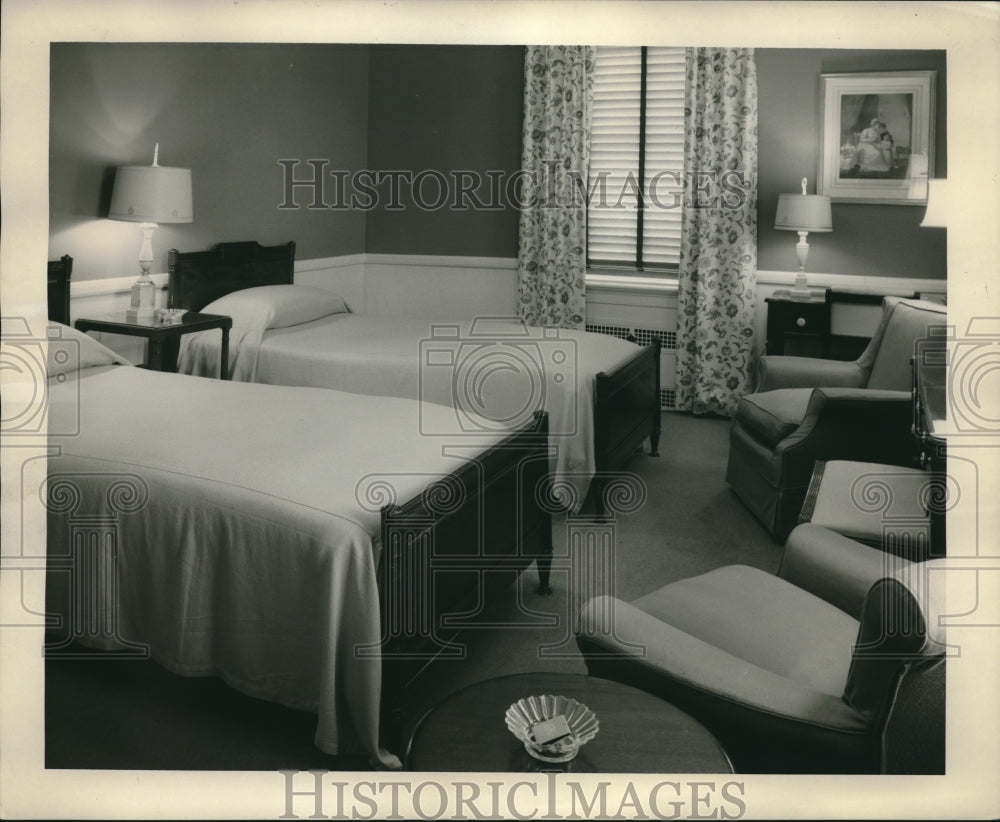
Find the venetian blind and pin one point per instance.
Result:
(637, 134)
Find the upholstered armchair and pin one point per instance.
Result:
(835, 665)
(806, 409)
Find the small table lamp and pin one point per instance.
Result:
(936, 215)
(150, 195)
(803, 213)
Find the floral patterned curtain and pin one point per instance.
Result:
(558, 89)
(718, 260)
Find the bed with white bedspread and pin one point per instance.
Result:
(251, 544)
(600, 392)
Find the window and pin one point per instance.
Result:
(637, 134)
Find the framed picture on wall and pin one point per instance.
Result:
(877, 137)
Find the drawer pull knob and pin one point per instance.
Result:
(801, 322)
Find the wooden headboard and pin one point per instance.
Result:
(59, 274)
(199, 277)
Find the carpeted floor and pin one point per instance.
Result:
(127, 714)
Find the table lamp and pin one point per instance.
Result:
(803, 213)
(936, 215)
(150, 195)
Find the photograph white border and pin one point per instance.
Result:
(908, 191)
(967, 31)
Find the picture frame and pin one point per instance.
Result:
(877, 136)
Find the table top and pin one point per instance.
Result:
(118, 321)
(639, 733)
(785, 296)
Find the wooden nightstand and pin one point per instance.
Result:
(834, 324)
(163, 337)
(798, 327)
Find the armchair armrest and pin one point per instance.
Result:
(834, 567)
(807, 372)
(862, 424)
(863, 411)
(674, 656)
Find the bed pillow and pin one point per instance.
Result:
(71, 351)
(277, 306)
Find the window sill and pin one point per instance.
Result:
(605, 280)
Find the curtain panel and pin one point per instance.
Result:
(718, 259)
(558, 91)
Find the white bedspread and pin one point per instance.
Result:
(255, 558)
(498, 369)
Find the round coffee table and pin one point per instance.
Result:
(639, 733)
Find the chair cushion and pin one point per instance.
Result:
(763, 620)
(879, 505)
(772, 415)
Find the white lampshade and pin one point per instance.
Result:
(152, 194)
(804, 212)
(936, 215)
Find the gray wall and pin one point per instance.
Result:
(231, 111)
(227, 111)
(870, 240)
(445, 108)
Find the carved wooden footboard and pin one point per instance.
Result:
(626, 412)
(442, 547)
(451, 548)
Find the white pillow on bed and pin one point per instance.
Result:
(71, 351)
(277, 306)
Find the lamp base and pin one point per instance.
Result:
(143, 299)
(800, 290)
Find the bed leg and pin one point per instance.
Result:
(595, 499)
(393, 707)
(654, 442)
(544, 565)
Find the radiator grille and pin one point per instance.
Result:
(613, 330)
(644, 336)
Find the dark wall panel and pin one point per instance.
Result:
(445, 109)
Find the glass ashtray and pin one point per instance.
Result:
(170, 315)
(525, 715)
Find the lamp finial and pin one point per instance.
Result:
(804, 192)
(156, 154)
